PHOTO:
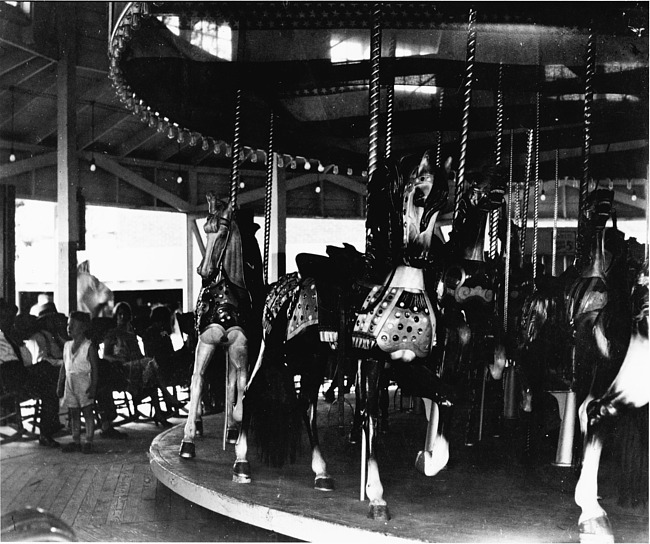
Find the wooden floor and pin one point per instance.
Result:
(111, 495)
(485, 494)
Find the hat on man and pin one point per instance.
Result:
(49, 308)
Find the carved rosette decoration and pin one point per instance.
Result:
(395, 319)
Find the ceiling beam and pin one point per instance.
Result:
(141, 183)
(25, 72)
(104, 127)
(137, 139)
(11, 61)
(27, 165)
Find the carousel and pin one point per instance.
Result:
(485, 393)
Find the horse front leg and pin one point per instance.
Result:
(435, 455)
(370, 373)
(204, 352)
(593, 523)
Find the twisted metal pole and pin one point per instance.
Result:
(526, 195)
(441, 95)
(236, 146)
(584, 181)
(506, 286)
(375, 55)
(268, 195)
(536, 193)
(555, 210)
(469, 77)
(494, 214)
(390, 102)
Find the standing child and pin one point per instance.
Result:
(78, 381)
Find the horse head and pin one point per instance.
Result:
(217, 228)
(485, 192)
(425, 193)
(487, 189)
(93, 296)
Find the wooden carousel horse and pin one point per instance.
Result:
(576, 334)
(605, 355)
(468, 291)
(225, 314)
(93, 296)
(627, 391)
(396, 324)
(301, 323)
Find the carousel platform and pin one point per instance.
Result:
(484, 495)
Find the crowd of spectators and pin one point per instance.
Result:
(39, 354)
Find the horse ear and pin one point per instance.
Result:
(83, 268)
(212, 201)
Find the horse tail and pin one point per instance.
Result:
(271, 401)
(633, 439)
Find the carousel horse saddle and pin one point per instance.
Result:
(469, 281)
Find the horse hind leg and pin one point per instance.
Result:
(203, 355)
(322, 480)
(236, 384)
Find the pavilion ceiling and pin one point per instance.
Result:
(283, 63)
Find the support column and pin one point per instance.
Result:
(8, 242)
(278, 241)
(67, 235)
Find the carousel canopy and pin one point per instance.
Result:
(178, 65)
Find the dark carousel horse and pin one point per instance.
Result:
(577, 331)
(470, 284)
(301, 323)
(226, 315)
(395, 329)
(402, 213)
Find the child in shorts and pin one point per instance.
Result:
(78, 381)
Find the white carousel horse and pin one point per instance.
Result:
(628, 390)
(223, 319)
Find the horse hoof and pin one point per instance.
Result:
(428, 464)
(232, 435)
(596, 531)
(241, 472)
(324, 484)
(188, 450)
(379, 512)
(199, 428)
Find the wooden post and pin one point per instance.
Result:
(67, 234)
(8, 242)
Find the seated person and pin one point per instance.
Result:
(140, 374)
(20, 376)
(175, 365)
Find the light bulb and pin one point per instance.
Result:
(321, 168)
(307, 165)
(633, 197)
(93, 166)
(179, 179)
(317, 189)
(242, 184)
(12, 157)
(543, 195)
